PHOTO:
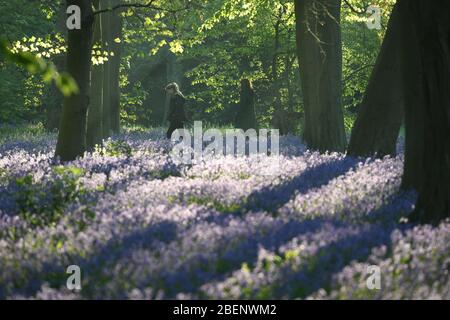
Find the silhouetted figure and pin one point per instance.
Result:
(175, 114)
(245, 117)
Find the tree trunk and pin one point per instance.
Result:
(279, 116)
(414, 100)
(380, 114)
(107, 87)
(54, 107)
(319, 50)
(72, 131)
(116, 46)
(173, 74)
(428, 20)
(95, 124)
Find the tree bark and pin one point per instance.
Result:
(428, 21)
(173, 72)
(107, 87)
(414, 99)
(319, 48)
(116, 48)
(72, 131)
(95, 113)
(279, 116)
(54, 108)
(380, 115)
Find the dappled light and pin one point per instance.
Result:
(224, 150)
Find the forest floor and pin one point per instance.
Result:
(140, 226)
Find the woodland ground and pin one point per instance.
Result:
(140, 226)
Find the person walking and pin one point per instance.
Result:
(176, 115)
(245, 117)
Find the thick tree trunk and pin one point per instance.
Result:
(72, 131)
(380, 114)
(319, 50)
(414, 100)
(116, 48)
(107, 84)
(95, 124)
(428, 20)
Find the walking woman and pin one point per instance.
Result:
(245, 117)
(175, 114)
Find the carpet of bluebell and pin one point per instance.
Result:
(142, 227)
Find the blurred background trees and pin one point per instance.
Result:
(206, 46)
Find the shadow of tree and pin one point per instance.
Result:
(93, 267)
(271, 198)
(202, 267)
(318, 272)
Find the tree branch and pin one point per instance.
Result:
(352, 8)
(148, 5)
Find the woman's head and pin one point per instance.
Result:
(172, 88)
(246, 84)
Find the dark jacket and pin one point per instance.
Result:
(245, 117)
(177, 113)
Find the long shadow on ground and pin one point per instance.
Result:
(272, 198)
(202, 268)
